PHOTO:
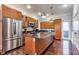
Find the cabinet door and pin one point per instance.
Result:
(29, 45)
(6, 11)
(57, 31)
(52, 25)
(18, 15)
(11, 13)
(57, 25)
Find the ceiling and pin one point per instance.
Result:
(57, 8)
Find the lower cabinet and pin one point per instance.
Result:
(42, 44)
(57, 27)
(37, 46)
(29, 46)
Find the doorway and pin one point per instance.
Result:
(66, 30)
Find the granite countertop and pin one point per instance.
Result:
(41, 35)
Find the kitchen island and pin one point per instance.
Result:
(36, 44)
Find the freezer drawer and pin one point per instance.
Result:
(7, 45)
(10, 44)
(15, 43)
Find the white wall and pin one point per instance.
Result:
(75, 37)
(67, 18)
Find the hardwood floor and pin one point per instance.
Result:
(62, 47)
(18, 51)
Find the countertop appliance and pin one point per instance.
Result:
(12, 34)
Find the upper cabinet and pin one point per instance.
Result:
(11, 13)
(27, 20)
(56, 24)
(34, 21)
(57, 27)
(47, 25)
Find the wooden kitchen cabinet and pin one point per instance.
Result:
(27, 20)
(18, 15)
(57, 27)
(56, 24)
(29, 47)
(35, 21)
(37, 45)
(6, 12)
(42, 44)
(45, 25)
(11, 13)
(52, 25)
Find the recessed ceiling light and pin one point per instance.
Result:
(52, 13)
(43, 16)
(39, 13)
(65, 5)
(29, 6)
(51, 7)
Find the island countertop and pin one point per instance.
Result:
(37, 43)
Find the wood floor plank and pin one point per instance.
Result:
(62, 47)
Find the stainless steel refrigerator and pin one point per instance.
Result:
(11, 34)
